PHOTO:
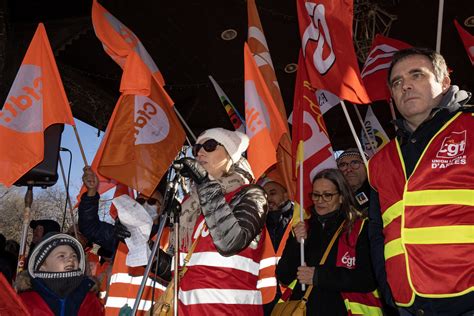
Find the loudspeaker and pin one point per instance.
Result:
(45, 173)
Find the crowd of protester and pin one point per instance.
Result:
(391, 239)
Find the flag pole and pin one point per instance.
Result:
(26, 222)
(354, 134)
(369, 141)
(68, 197)
(302, 261)
(80, 145)
(392, 111)
(184, 123)
(440, 25)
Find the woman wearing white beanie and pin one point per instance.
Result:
(225, 214)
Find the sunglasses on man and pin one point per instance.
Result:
(209, 145)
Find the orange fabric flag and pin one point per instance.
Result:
(143, 139)
(261, 53)
(36, 100)
(326, 41)
(119, 41)
(311, 144)
(264, 123)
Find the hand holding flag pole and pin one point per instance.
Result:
(302, 261)
(26, 223)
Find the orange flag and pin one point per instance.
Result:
(261, 53)
(144, 138)
(264, 123)
(326, 41)
(36, 100)
(119, 41)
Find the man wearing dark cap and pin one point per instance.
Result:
(280, 212)
(42, 227)
(352, 166)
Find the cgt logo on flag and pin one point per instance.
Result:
(257, 117)
(151, 122)
(24, 103)
(130, 38)
(318, 31)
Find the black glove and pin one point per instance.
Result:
(192, 169)
(120, 231)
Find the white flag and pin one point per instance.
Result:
(377, 136)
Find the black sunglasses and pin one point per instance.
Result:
(209, 145)
(142, 200)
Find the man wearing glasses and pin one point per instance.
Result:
(352, 167)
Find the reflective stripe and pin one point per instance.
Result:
(137, 280)
(119, 302)
(278, 259)
(463, 234)
(219, 296)
(361, 309)
(393, 248)
(439, 197)
(268, 262)
(214, 259)
(266, 282)
(392, 212)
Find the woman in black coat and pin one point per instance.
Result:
(333, 207)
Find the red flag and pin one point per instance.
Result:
(261, 53)
(467, 40)
(119, 41)
(326, 41)
(36, 100)
(264, 124)
(311, 144)
(144, 138)
(10, 304)
(375, 70)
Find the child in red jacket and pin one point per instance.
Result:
(59, 286)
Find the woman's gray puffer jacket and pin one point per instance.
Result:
(234, 225)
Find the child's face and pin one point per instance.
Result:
(62, 258)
